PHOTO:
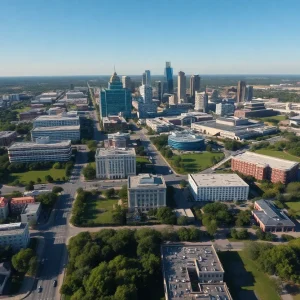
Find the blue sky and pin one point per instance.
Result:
(86, 37)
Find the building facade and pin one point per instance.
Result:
(194, 85)
(3, 208)
(148, 77)
(126, 82)
(57, 134)
(159, 90)
(270, 218)
(146, 191)
(31, 213)
(169, 78)
(7, 137)
(218, 187)
(159, 125)
(41, 150)
(254, 110)
(224, 109)
(15, 235)
(56, 120)
(241, 91)
(263, 167)
(115, 163)
(113, 124)
(117, 140)
(115, 99)
(146, 93)
(201, 101)
(181, 93)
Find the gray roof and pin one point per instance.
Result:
(146, 181)
(270, 215)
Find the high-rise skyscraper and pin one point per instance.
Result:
(148, 77)
(194, 85)
(241, 91)
(249, 93)
(115, 99)
(181, 87)
(144, 78)
(201, 101)
(126, 81)
(169, 78)
(146, 93)
(159, 90)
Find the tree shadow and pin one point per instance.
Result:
(236, 276)
(293, 289)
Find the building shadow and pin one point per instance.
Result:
(236, 276)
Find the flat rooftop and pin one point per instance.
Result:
(4, 134)
(115, 151)
(179, 264)
(146, 181)
(12, 229)
(56, 117)
(270, 215)
(57, 128)
(212, 180)
(264, 160)
(30, 145)
(31, 208)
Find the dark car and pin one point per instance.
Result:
(39, 289)
(55, 283)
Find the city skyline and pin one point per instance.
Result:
(56, 38)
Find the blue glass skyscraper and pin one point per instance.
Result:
(169, 78)
(115, 99)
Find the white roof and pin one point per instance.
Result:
(215, 180)
(57, 128)
(265, 160)
(114, 152)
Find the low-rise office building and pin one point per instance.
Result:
(159, 125)
(115, 163)
(255, 110)
(3, 208)
(75, 95)
(7, 137)
(31, 212)
(117, 140)
(218, 187)
(186, 119)
(31, 114)
(185, 212)
(57, 134)
(270, 218)
(53, 111)
(15, 235)
(195, 270)
(225, 109)
(263, 167)
(146, 191)
(40, 150)
(56, 120)
(17, 204)
(186, 141)
(114, 124)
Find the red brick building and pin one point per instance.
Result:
(17, 204)
(263, 167)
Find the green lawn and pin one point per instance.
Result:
(33, 175)
(244, 280)
(278, 154)
(142, 159)
(100, 210)
(278, 118)
(197, 162)
(295, 206)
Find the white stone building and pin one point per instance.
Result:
(115, 163)
(31, 212)
(218, 187)
(56, 120)
(146, 191)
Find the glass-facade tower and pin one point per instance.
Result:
(115, 99)
(169, 78)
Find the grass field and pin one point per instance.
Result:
(197, 162)
(100, 210)
(244, 280)
(295, 206)
(142, 159)
(278, 118)
(278, 154)
(33, 175)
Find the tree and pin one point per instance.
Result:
(209, 148)
(123, 193)
(166, 215)
(57, 189)
(212, 227)
(243, 218)
(49, 178)
(183, 183)
(109, 193)
(38, 180)
(29, 187)
(57, 165)
(183, 220)
(126, 292)
(21, 260)
(89, 172)
(33, 265)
